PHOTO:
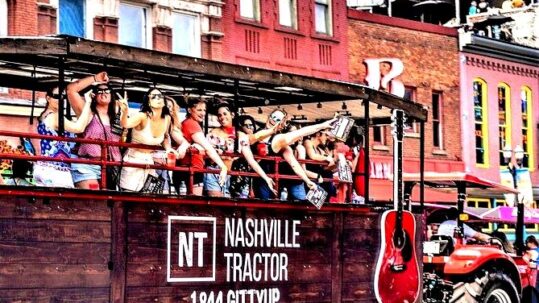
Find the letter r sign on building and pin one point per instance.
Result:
(376, 79)
(191, 249)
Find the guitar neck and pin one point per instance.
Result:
(398, 129)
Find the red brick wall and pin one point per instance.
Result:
(162, 38)
(46, 19)
(22, 17)
(430, 61)
(106, 29)
(267, 44)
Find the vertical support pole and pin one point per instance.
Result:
(33, 96)
(461, 198)
(519, 231)
(118, 254)
(367, 150)
(61, 101)
(337, 257)
(421, 166)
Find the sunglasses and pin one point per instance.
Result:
(156, 96)
(54, 96)
(102, 91)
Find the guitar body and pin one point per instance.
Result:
(396, 277)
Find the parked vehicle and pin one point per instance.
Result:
(458, 271)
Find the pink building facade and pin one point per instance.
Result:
(500, 109)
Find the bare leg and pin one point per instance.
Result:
(282, 140)
(88, 184)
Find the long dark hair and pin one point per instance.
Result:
(111, 110)
(146, 108)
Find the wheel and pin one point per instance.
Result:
(487, 287)
(500, 289)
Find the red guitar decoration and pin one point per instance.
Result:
(396, 279)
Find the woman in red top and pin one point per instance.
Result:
(193, 133)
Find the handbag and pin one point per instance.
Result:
(238, 182)
(153, 185)
(113, 172)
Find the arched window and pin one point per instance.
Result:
(504, 119)
(481, 122)
(3, 18)
(527, 129)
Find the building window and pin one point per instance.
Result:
(71, 17)
(481, 122)
(186, 34)
(504, 119)
(3, 18)
(378, 135)
(250, 9)
(287, 13)
(410, 128)
(437, 130)
(322, 16)
(483, 203)
(527, 128)
(134, 25)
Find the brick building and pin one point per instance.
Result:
(302, 37)
(421, 62)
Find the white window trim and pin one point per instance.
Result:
(3, 17)
(256, 10)
(329, 21)
(293, 14)
(440, 119)
(149, 44)
(198, 47)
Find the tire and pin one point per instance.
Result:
(487, 287)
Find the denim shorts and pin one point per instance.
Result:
(211, 182)
(82, 172)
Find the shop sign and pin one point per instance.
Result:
(251, 250)
(379, 79)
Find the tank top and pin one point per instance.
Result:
(99, 131)
(53, 148)
(145, 136)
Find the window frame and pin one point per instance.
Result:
(148, 25)
(474, 202)
(4, 25)
(382, 141)
(328, 17)
(529, 126)
(508, 121)
(86, 23)
(484, 122)
(438, 120)
(256, 16)
(197, 34)
(293, 7)
(411, 129)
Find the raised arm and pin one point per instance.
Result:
(288, 155)
(74, 88)
(80, 125)
(248, 154)
(283, 140)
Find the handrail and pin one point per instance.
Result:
(276, 176)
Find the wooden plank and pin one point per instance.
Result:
(33, 46)
(71, 295)
(54, 231)
(154, 274)
(361, 292)
(299, 292)
(37, 253)
(83, 210)
(119, 252)
(54, 275)
(336, 258)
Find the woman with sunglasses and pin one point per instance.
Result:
(57, 174)
(150, 126)
(280, 144)
(100, 127)
(224, 140)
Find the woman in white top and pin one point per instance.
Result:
(150, 127)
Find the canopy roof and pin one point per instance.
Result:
(35, 63)
(475, 186)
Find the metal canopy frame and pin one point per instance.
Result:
(137, 69)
